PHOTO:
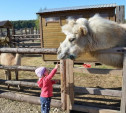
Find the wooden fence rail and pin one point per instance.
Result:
(27, 98)
(29, 50)
(78, 70)
(89, 109)
(79, 90)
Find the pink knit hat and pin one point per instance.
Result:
(40, 71)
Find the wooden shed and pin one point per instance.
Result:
(5, 24)
(5, 38)
(51, 21)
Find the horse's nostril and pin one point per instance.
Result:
(71, 57)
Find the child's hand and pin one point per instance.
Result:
(57, 81)
(56, 66)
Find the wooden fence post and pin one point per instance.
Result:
(8, 76)
(26, 31)
(32, 32)
(120, 11)
(16, 74)
(123, 99)
(8, 35)
(63, 83)
(14, 41)
(69, 84)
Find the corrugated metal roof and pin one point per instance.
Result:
(2, 23)
(78, 8)
(5, 24)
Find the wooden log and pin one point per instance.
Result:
(16, 74)
(23, 83)
(25, 39)
(26, 35)
(26, 98)
(29, 50)
(26, 31)
(69, 84)
(98, 71)
(51, 50)
(80, 90)
(89, 109)
(8, 35)
(120, 12)
(63, 83)
(98, 91)
(22, 68)
(8, 76)
(123, 99)
(27, 45)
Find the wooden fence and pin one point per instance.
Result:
(67, 83)
(27, 37)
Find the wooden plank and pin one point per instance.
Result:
(8, 74)
(27, 98)
(120, 11)
(52, 27)
(123, 99)
(52, 24)
(8, 35)
(69, 84)
(25, 39)
(29, 50)
(52, 39)
(89, 109)
(41, 31)
(97, 91)
(22, 68)
(80, 90)
(25, 35)
(23, 83)
(49, 35)
(29, 44)
(52, 30)
(98, 71)
(16, 74)
(63, 83)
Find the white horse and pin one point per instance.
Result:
(91, 35)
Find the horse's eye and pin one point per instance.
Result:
(71, 39)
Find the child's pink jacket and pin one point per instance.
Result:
(45, 83)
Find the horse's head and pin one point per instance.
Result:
(75, 41)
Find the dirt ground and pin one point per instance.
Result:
(85, 80)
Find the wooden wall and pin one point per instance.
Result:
(52, 34)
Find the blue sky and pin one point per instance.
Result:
(26, 9)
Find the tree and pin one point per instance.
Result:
(23, 24)
(38, 18)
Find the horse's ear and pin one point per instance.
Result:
(67, 29)
(83, 30)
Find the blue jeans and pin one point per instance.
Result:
(45, 104)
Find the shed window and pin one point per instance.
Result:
(74, 17)
(104, 15)
(52, 19)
